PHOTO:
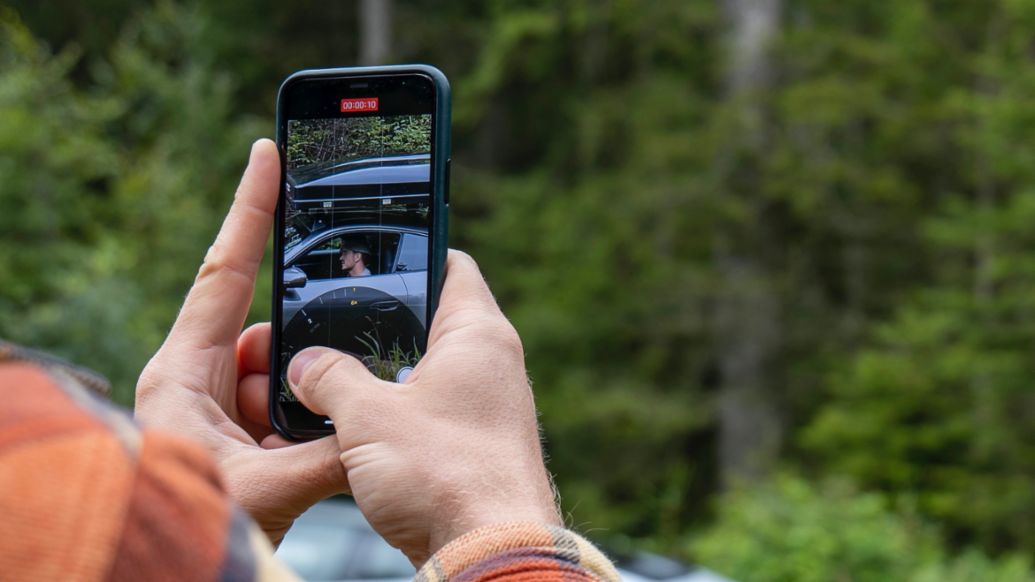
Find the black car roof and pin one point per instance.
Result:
(389, 190)
(362, 181)
(382, 170)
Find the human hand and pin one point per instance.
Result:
(455, 447)
(206, 372)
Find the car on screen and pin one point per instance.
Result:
(332, 541)
(383, 203)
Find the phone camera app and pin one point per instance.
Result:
(356, 238)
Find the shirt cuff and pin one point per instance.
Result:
(522, 550)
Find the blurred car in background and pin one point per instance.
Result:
(332, 541)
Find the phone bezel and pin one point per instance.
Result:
(438, 218)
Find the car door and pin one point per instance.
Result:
(365, 316)
(412, 265)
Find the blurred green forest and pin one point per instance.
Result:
(772, 260)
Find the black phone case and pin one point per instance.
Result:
(441, 135)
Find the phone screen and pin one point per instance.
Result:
(355, 244)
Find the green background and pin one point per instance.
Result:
(777, 304)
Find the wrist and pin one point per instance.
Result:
(441, 537)
(537, 506)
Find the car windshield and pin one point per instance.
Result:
(298, 227)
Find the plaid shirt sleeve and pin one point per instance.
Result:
(518, 552)
(87, 495)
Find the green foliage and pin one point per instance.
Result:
(582, 235)
(887, 205)
(56, 266)
(932, 410)
(789, 530)
(101, 237)
(324, 141)
(935, 404)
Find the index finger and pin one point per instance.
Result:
(217, 304)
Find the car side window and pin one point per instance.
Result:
(413, 254)
(322, 261)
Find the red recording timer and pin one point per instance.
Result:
(363, 104)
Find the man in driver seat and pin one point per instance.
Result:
(354, 256)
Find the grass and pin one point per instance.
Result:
(385, 364)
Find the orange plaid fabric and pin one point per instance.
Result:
(86, 495)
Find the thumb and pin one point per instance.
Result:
(335, 384)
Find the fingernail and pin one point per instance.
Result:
(298, 364)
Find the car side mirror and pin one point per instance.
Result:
(294, 278)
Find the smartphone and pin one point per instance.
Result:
(360, 231)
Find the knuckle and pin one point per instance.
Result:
(217, 263)
(212, 264)
(244, 201)
(148, 382)
(145, 397)
(461, 265)
(500, 333)
(315, 377)
(341, 387)
(214, 254)
(321, 377)
(154, 395)
(510, 339)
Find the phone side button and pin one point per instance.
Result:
(445, 195)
